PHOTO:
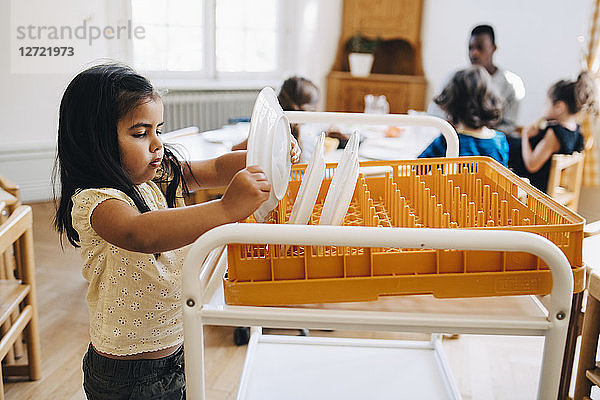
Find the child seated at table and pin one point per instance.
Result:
(473, 107)
(296, 94)
(558, 131)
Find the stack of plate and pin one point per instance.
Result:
(342, 185)
(310, 185)
(269, 146)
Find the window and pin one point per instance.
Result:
(174, 38)
(209, 38)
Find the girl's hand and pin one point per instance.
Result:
(295, 151)
(248, 189)
(529, 131)
(243, 145)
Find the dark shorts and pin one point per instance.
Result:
(109, 379)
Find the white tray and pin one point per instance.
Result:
(296, 367)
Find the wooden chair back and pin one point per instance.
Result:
(566, 175)
(9, 194)
(588, 374)
(18, 303)
(10, 200)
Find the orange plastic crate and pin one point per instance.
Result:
(466, 192)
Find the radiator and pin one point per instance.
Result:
(206, 109)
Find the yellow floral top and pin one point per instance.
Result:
(134, 299)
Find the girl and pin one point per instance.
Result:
(296, 94)
(558, 133)
(473, 107)
(133, 239)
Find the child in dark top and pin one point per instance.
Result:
(473, 107)
(558, 133)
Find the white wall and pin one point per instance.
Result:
(536, 40)
(317, 25)
(29, 102)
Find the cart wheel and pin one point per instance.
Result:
(241, 335)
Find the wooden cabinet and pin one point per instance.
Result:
(387, 19)
(346, 93)
(397, 71)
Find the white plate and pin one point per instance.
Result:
(310, 184)
(281, 163)
(342, 185)
(269, 145)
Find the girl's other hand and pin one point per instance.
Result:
(295, 151)
(240, 146)
(248, 189)
(529, 131)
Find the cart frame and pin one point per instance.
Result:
(202, 277)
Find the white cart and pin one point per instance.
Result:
(299, 367)
(285, 367)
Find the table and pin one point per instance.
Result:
(203, 146)
(199, 146)
(591, 251)
(412, 140)
(375, 146)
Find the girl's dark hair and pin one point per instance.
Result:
(578, 95)
(470, 99)
(296, 92)
(88, 153)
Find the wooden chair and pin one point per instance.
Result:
(18, 303)
(9, 201)
(591, 257)
(9, 194)
(566, 175)
(588, 372)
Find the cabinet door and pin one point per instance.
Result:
(348, 95)
(388, 19)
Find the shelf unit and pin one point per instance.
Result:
(403, 92)
(397, 70)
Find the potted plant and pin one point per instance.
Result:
(361, 54)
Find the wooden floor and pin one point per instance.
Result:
(484, 367)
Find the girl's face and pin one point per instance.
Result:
(141, 148)
(554, 111)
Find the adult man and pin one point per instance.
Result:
(482, 45)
